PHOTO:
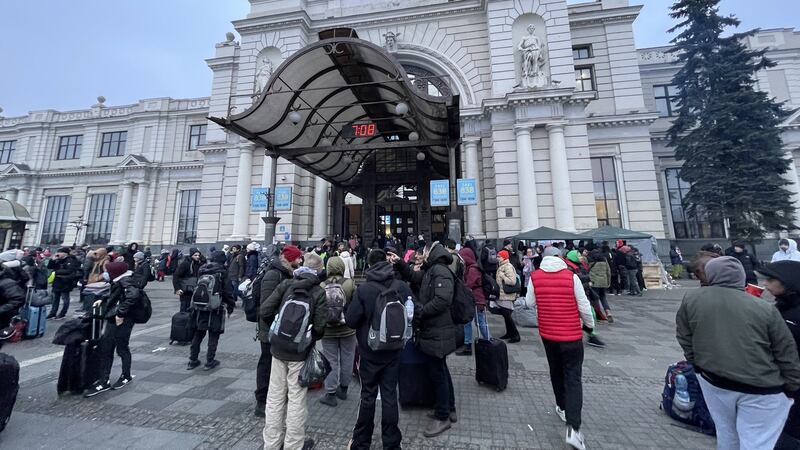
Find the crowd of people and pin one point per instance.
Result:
(744, 357)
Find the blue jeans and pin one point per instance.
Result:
(480, 319)
(57, 297)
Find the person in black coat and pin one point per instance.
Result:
(132, 249)
(251, 267)
(185, 278)
(489, 262)
(141, 270)
(783, 281)
(748, 261)
(212, 322)
(68, 272)
(12, 296)
(434, 329)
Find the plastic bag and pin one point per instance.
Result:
(315, 369)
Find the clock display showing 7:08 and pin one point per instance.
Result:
(357, 130)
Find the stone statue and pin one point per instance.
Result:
(263, 74)
(532, 50)
(390, 41)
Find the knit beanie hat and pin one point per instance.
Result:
(116, 269)
(291, 252)
(573, 256)
(63, 250)
(313, 261)
(551, 251)
(502, 254)
(218, 257)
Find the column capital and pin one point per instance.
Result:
(523, 128)
(248, 148)
(555, 126)
(471, 139)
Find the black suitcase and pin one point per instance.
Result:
(82, 364)
(415, 388)
(181, 330)
(9, 387)
(491, 363)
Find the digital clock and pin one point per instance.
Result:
(357, 130)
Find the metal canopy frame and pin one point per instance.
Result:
(336, 82)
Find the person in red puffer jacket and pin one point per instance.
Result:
(564, 313)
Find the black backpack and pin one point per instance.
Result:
(291, 330)
(463, 308)
(206, 296)
(388, 326)
(490, 288)
(143, 310)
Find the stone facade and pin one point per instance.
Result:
(533, 150)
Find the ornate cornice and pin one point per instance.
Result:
(545, 96)
(603, 16)
(645, 119)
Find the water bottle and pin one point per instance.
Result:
(682, 403)
(409, 317)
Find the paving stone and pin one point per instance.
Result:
(156, 402)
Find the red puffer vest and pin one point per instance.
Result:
(557, 309)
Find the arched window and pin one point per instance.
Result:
(426, 81)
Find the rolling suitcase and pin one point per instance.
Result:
(181, 330)
(491, 362)
(34, 313)
(9, 387)
(82, 364)
(414, 386)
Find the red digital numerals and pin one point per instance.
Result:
(364, 130)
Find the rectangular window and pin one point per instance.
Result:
(582, 52)
(197, 136)
(101, 218)
(69, 147)
(606, 195)
(6, 149)
(584, 78)
(187, 217)
(55, 219)
(666, 100)
(113, 144)
(698, 226)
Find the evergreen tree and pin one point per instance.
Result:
(726, 132)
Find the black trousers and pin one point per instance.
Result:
(445, 401)
(197, 339)
(511, 326)
(616, 288)
(116, 338)
(375, 376)
(262, 373)
(185, 301)
(566, 364)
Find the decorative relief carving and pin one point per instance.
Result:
(657, 57)
(390, 41)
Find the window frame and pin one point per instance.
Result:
(7, 149)
(604, 179)
(107, 145)
(56, 218)
(591, 79)
(664, 90)
(188, 217)
(100, 218)
(576, 49)
(199, 138)
(66, 147)
(698, 226)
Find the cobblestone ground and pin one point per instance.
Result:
(169, 407)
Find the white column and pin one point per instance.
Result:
(528, 204)
(559, 173)
(241, 209)
(22, 197)
(124, 213)
(474, 212)
(265, 182)
(138, 213)
(320, 228)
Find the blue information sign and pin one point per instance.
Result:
(440, 192)
(467, 191)
(283, 198)
(258, 199)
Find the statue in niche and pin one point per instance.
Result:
(533, 60)
(263, 74)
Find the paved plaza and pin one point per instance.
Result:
(170, 407)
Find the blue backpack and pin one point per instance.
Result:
(698, 415)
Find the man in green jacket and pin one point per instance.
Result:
(744, 354)
(339, 343)
(286, 408)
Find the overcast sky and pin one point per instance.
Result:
(63, 54)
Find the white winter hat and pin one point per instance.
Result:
(253, 247)
(11, 255)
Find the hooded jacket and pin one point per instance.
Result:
(361, 309)
(141, 273)
(12, 297)
(215, 320)
(749, 263)
(251, 267)
(506, 275)
(187, 268)
(236, 266)
(68, 272)
(349, 265)
(435, 332)
(473, 278)
(560, 301)
(791, 254)
(748, 348)
(319, 314)
(278, 271)
(128, 256)
(335, 271)
(123, 296)
(599, 270)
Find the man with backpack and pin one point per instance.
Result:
(212, 296)
(489, 260)
(185, 278)
(278, 271)
(379, 369)
(68, 272)
(339, 343)
(433, 324)
(298, 314)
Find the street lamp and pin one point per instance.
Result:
(78, 224)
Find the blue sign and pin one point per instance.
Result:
(467, 191)
(258, 199)
(440, 193)
(283, 198)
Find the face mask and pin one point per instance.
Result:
(106, 277)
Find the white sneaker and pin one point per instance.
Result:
(561, 414)
(575, 439)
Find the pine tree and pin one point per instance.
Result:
(726, 132)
